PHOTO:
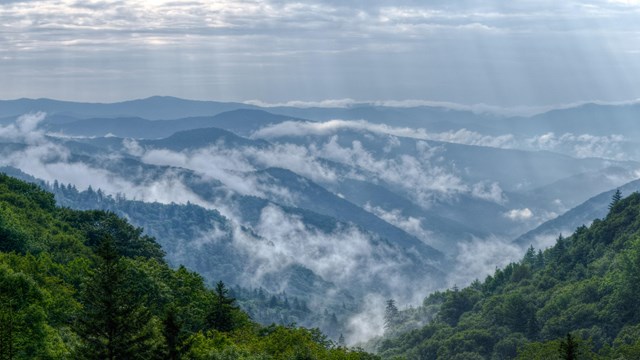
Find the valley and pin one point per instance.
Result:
(337, 215)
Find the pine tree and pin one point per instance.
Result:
(530, 256)
(223, 309)
(391, 314)
(114, 324)
(569, 349)
(172, 329)
(615, 199)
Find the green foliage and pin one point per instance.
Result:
(114, 323)
(178, 228)
(224, 315)
(615, 199)
(586, 286)
(87, 284)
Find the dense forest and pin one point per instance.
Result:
(87, 284)
(575, 300)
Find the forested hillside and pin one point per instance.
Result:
(575, 300)
(179, 229)
(87, 284)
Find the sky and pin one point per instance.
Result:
(503, 53)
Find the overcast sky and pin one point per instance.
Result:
(506, 53)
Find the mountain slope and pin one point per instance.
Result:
(583, 214)
(584, 285)
(241, 121)
(154, 108)
(70, 280)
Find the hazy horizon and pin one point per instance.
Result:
(466, 52)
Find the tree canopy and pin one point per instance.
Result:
(87, 284)
(575, 300)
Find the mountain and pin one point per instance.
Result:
(242, 250)
(309, 195)
(578, 294)
(79, 284)
(242, 121)
(201, 138)
(593, 119)
(154, 108)
(434, 118)
(590, 118)
(583, 214)
(477, 186)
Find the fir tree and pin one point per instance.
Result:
(223, 309)
(114, 324)
(615, 199)
(569, 349)
(391, 314)
(172, 330)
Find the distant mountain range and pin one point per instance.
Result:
(356, 201)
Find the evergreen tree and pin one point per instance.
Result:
(114, 324)
(569, 349)
(529, 256)
(172, 331)
(22, 317)
(391, 315)
(615, 199)
(222, 314)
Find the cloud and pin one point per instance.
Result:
(421, 176)
(25, 129)
(295, 128)
(345, 256)
(582, 145)
(489, 191)
(369, 322)
(462, 136)
(51, 161)
(272, 50)
(481, 257)
(519, 214)
(409, 224)
(614, 146)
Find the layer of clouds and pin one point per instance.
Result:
(421, 176)
(466, 52)
(410, 103)
(582, 146)
(576, 145)
(339, 256)
(346, 256)
(51, 161)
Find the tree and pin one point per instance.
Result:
(22, 317)
(569, 348)
(113, 324)
(391, 315)
(223, 309)
(615, 199)
(172, 331)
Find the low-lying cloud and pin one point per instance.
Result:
(481, 257)
(519, 214)
(576, 145)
